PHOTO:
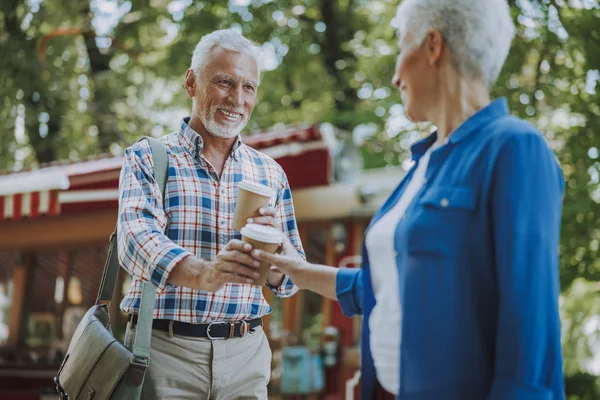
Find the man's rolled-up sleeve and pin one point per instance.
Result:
(526, 197)
(349, 290)
(144, 250)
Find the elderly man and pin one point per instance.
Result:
(185, 245)
(459, 286)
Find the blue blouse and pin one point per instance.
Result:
(477, 258)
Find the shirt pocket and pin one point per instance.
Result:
(442, 218)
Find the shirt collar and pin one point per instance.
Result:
(494, 110)
(193, 142)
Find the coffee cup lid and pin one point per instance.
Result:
(257, 188)
(262, 233)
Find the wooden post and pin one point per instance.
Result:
(65, 267)
(330, 259)
(293, 307)
(22, 284)
(340, 373)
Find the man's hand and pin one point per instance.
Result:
(232, 265)
(266, 217)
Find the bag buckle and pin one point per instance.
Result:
(137, 371)
(62, 395)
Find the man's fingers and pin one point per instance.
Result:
(239, 270)
(233, 278)
(242, 270)
(235, 244)
(264, 220)
(267, 211)
(241, 258)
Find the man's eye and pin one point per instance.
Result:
(226, 82)
(250, 87)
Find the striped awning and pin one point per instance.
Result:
(89, 185)
(34, 193)
(29, 205)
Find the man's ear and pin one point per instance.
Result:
(434, 44)
(190, 83)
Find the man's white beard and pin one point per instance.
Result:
(223, 130)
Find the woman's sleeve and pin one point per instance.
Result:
(349, 290)
(526, 200)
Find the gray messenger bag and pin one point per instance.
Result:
(97, 365)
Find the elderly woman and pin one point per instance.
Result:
(459, 286)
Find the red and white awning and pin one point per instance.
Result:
(31, 205)
(39, 192)
(92, 185)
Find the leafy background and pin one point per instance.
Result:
(81, 78)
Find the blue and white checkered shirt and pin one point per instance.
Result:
(195, 220)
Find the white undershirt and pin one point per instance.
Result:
(385, 319)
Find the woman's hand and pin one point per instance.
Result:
(287, 262)
(320, 279)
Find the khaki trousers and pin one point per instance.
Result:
(183, 367)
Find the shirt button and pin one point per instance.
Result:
(444, 202)
(222, 222)
(222, 191)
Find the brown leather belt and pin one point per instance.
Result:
(214, 330)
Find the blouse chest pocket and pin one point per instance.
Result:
(441, 220)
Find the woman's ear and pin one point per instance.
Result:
(434, 45)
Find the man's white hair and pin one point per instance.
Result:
(227, 39)
(478, 32)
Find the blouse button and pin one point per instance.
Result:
(444, 202)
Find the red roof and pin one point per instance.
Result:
(89, 185)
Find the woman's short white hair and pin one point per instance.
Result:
(227, 39)
(478, 32)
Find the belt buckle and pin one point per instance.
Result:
(208, 335)
(244, 328)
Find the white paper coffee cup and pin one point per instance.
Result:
(251, 197)
(264, 238)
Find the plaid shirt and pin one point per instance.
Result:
(195, 220)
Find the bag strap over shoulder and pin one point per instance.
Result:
(143, 331)
(141, 348)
